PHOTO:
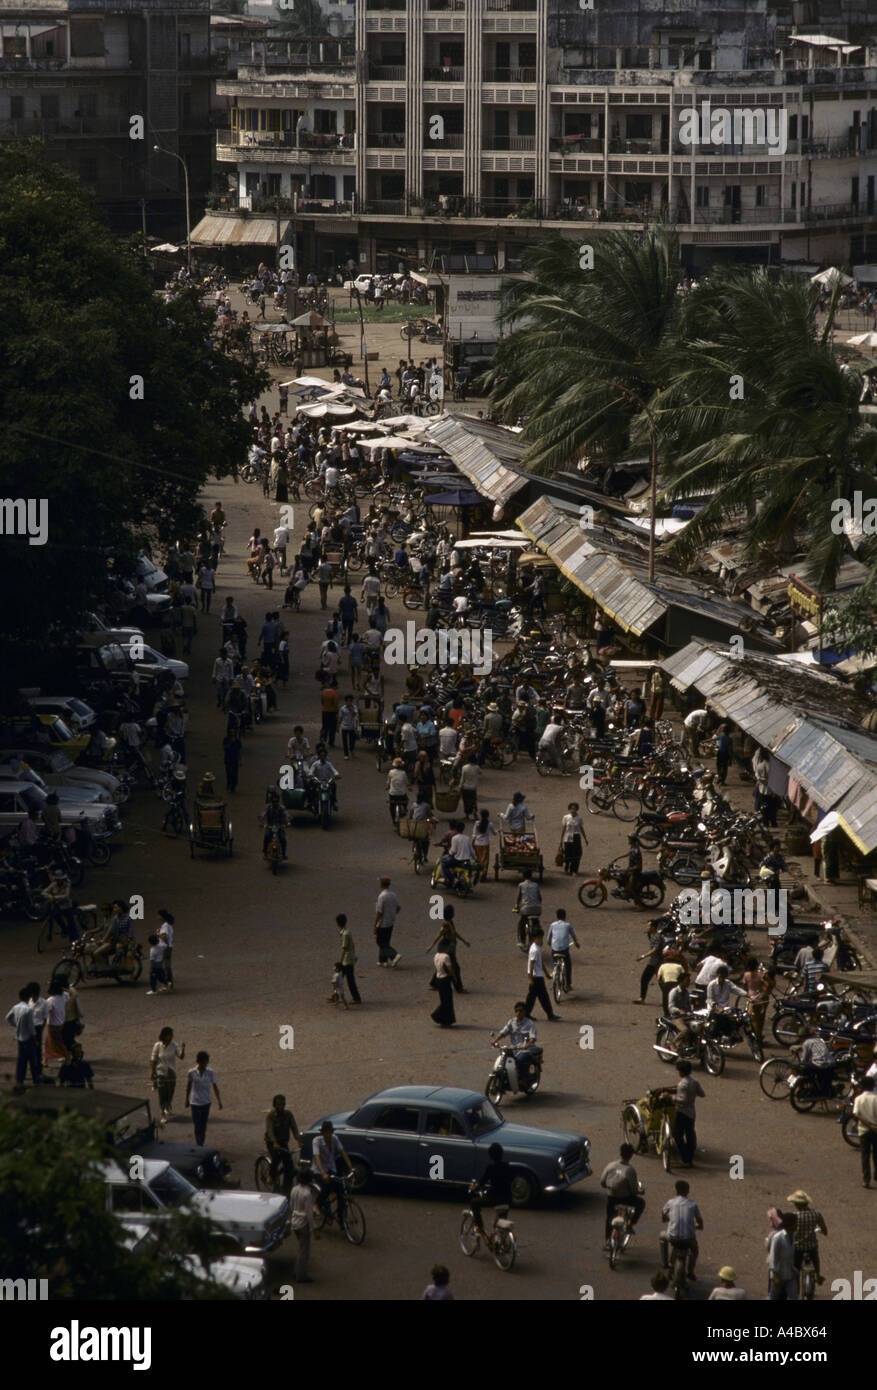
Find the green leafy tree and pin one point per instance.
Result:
(758, 413)
(54, 1222)
(117, 407)
(582, 343)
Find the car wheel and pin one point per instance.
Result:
(525, 1189)
(360, 1176)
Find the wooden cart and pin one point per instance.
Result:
(517, 849)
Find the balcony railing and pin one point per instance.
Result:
(575, 144)
(828, 146)
(509, 74)
(452, 141)
(443, 74)
(72, 128)
(509, 142)
(308, 140)
(386, 139)
(446, 4)
(506, 5)
(378, 73)
(639, 146)
(385, 207)
(33, 64)
(284, 139)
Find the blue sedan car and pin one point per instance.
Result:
(418, 1133)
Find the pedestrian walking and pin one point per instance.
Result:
(324, 580)
(348, 609)
(188, 626)
(157, 950)
(166, 935)
(536, 977)
(232, 749)
(348, 956)
(329, 706)
(687, 1091)
(386, 912)
(446, 940)
(200, 1086)
(653, 956)
(349, 717)
(724, 748)
(207, 584)
(55, 1049)
(163, 1070)
(21, 1018)
(301, 1203)
(572, 837)
(470, 774)
(443, 981)
(782, 1274)
(865, 1111)
(223, 675)
(481, 833)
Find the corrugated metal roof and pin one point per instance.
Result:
(213, 230)
(803, 716)
(482, 453)
(612, 569)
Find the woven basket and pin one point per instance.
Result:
(447, 801)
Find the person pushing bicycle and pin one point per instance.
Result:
(280, 1127)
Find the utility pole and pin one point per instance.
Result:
(362, 343)
(159, 149)
(143, 222)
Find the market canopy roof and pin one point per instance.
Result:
(310, 319)
(485, 454)
(830, 277)
(216, 230)
(610, 566)
(810, 723)
(454, 499)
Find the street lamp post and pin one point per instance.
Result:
(159, 149)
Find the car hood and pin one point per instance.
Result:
(240, 1208)
(80, 792)
(536, 1139)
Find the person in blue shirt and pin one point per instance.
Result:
(560, 934)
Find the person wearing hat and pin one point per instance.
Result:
(807, 1227)
(206, 787)
(491, 729)
(726, 1290)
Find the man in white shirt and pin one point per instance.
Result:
(560, 934)
(332, 477)
(223, 675)
(21, 1018)
(386, 911)
(548, 742)
(693, 725)
(461, 853)
(301, 1205)
(708, 970)
(536, 977)
(447, 740)
(201, 1083)
(720, 994)
(281, 541)
(371, 590)
(865, 1111)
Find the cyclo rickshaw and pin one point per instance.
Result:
(210, 829)
(517, 849)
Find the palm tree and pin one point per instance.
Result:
(578, 362)
(756, 410)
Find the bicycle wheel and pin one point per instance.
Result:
(543, 768)
(789, 1028)
(665, 1139)
(46, 934)
(597, 801)
(774, 1077)
(412, 598)
(851, 1132)
(353, 1222)
(633, 1128)
(808, 1284)
(557, 983)
(614, 1248)
(469, 1237)
(505, 1249)
(626, 806)
(391, 588)
(262, 1174)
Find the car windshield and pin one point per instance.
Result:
(79, 708)
(61, 731)
(482, 1118)
(171, 1188)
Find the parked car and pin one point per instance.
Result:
(58, 771)
(156, 580)
(94, 623)
(122, 597)
(46, 730)
(132, 1130)
(400, 1132)
(77, 715)
(80, 792)
(18, 799)
(241, 1275)
(256, 1222)
(152, 660)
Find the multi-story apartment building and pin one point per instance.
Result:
(471, 126)
(75, 73)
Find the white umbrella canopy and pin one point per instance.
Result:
(831, 277)
(866, 340)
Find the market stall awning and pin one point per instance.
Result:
(484, 454)
(454, 499)
(215, 230)
(310, 319)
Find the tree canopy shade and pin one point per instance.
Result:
(578, 334)
(115, 405)
(54, 1223)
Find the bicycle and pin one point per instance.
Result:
(679, 1269)
(350, 1219)
(807, 1277)
(265, 1181)
(560, 978)
(501, 1241)
(621, 1231)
